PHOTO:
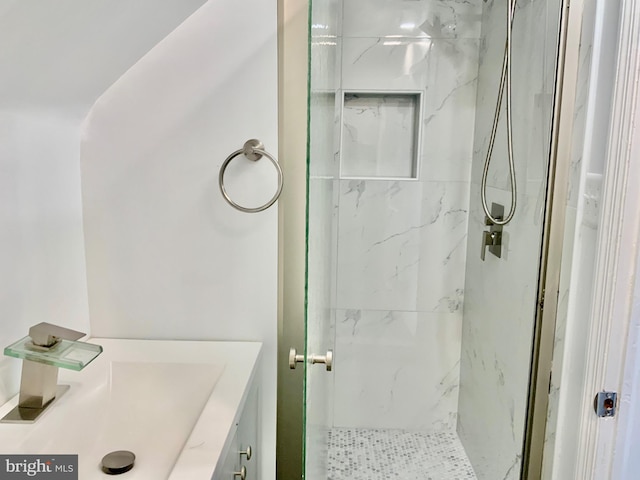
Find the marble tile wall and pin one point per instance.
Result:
(500, 294)
(533, 76)
(401, 244)
(380, 135)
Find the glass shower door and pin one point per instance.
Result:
(324, 81)
(432, 343)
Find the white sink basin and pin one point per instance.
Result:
(142, 396)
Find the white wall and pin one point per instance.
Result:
(626, 460)
(41, 244)
(64, 54)
(579, 251)
(56, 59)
(592, 115)
(166, 256)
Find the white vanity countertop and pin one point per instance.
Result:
(69, 425)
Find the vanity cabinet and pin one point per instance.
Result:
(242, 452)
(196, 407)
(231, 462)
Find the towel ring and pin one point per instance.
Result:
(254, 150)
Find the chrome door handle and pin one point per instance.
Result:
(327, 359)
(294, 358)
(242, 473)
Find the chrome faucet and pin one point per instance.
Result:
(47, 335)
(46, 348)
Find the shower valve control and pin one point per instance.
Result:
(492, 239)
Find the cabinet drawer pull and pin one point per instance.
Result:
(242, 473)
(248, 452)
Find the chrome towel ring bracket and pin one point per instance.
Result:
(254, 150)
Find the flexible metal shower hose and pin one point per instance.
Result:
(505, 81)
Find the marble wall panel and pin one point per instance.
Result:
(326, 20)
(490, 63)
(323, 161)
(402, 245)
(380, 136)
(496, 343)
(378, 63)
(533, 79)
(397, 369)
(401, 253)
(389, 264)
(326, 54)
(500, 293)
(442, 247)
(417, 18)
(378, 244)
(409, 64)
(445, 71)
(449, 111)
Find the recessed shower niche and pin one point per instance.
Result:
(380, 134)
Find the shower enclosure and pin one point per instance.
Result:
(429, 311)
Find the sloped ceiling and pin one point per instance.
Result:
(66, 53)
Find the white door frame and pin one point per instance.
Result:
(618, 242)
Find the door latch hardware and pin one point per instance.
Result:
(294, 358)
(327, 359)
(605, 404)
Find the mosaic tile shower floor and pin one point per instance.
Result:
(379, 454)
